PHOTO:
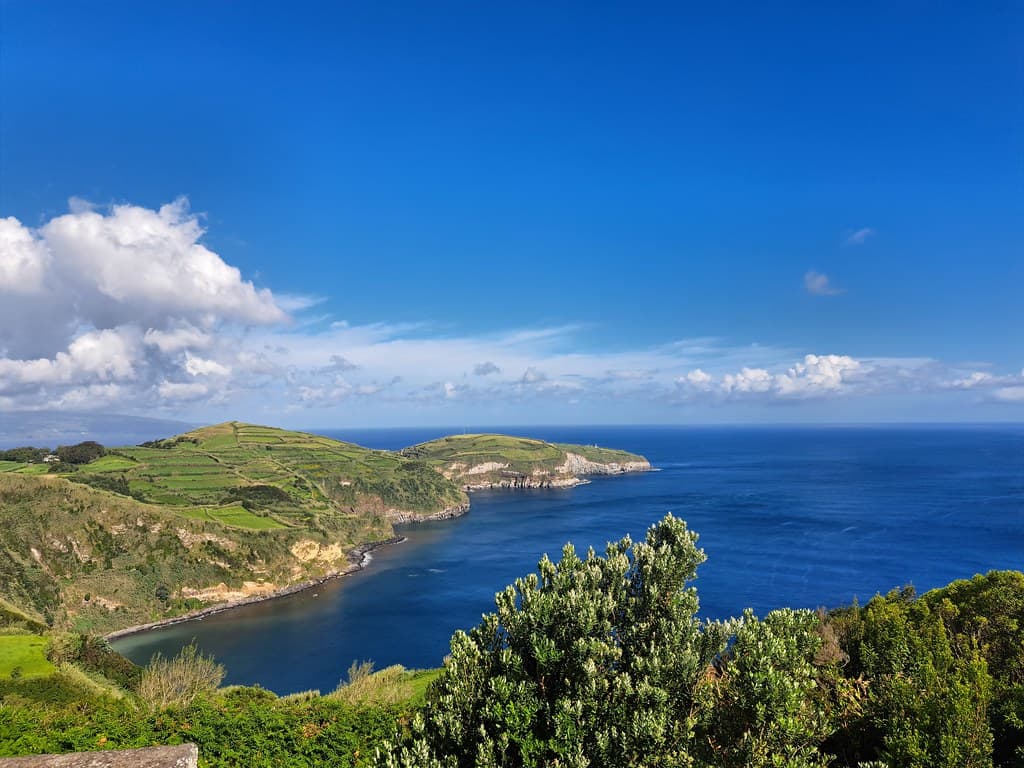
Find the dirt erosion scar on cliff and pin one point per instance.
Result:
(358, 559)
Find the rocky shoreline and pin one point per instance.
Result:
(574, 472)
(525, 482)
(400, 517)
(358, 558)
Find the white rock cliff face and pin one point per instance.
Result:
(578, 465)
(398, 516)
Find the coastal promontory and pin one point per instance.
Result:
(236, 512)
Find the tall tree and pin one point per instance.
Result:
(590, 662)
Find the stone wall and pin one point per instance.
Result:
(180, 756)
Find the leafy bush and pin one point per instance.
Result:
(758, 706)
(928, 689)
(243, 727)
(259, 495)
(388, 687)
(94, 654)
(593, 662)
(82, 453)
(180, 681)
(24, 455)
(110, 482)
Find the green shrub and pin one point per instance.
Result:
(179, 681)
(591, 662)
(82, 453)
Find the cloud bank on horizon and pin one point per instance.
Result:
(124, 309)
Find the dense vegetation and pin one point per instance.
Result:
(234, 727)
(600, 661)
(75, 694)
(81, 453)
(593, 661)
(24, 455)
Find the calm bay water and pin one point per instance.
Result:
(802, 517)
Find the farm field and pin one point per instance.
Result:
(111, 463)
(27, 469)
(262, 478)
(25, 656)
(236, 516)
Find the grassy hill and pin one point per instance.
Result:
(290, 478)
(234, 512)
(76, 557)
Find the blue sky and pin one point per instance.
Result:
(656, 213)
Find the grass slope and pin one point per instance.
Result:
(292, 478)
(601, 455)
(76, 557)
(24, 656)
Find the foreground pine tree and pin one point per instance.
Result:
(591, 662)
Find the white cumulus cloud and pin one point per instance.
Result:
(124, 293)
(814, 376)
(24, 260)
(178, 339)
(198, 366)
(124, 307)
(817, 373)
(94, 356)
(149, 263)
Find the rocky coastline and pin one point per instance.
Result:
(399, 517)
(575, 471)
(357, 557)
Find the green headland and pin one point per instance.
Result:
(235, 512)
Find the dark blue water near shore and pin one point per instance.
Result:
(798, 516)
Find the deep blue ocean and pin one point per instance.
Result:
(800, 517)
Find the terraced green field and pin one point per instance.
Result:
(24, 656)
(236, 516)
(262, 478)
(111, 463)
(270, 478)
(29, 469)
